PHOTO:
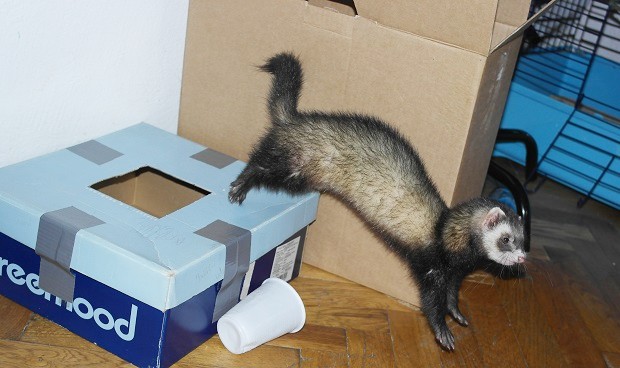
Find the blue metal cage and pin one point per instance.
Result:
(566, 94)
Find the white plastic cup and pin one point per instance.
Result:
(270, 311)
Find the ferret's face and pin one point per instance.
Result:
(503, 238)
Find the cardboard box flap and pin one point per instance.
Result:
(512, 12)
(344, 7)
(519, 30)
(481, 26)
(466, 24)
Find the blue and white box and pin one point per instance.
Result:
(130, 241)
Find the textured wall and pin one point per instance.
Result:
(73, 70)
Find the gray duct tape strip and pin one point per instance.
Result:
(55, 241)
(95, 152)
(214, 158)
(238, 242)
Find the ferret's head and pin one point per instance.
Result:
(492, 228)
(502, 236)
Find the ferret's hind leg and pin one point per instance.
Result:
(267, 170)
(258, 171)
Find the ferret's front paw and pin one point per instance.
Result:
(445, 338)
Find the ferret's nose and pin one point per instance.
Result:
(521, 259)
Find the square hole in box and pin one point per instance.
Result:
(151, 191)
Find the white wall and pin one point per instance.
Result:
(73, 70)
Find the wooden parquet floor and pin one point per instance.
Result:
(564, 313)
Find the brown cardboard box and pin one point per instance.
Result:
(439, 70)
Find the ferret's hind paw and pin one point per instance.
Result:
(445, 338)
(237, 192)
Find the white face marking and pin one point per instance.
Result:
(504, 257)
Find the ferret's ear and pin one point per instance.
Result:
(492, 217)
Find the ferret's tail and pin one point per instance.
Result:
(286, 87)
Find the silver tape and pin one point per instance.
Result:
(95, 152)
(214, 158)
(55, 241)
(238, 242)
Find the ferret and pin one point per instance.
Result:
(373, 169)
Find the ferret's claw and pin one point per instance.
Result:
(458, 317)
(236, 193)
(445, 339)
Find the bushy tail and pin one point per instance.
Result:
(286, 87)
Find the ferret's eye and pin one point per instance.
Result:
(505, 240)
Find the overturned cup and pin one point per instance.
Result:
(270, 311)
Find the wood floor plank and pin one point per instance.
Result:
(20, 354)
(315, 337)
(576, 343)
(612, 360)
(344, 294)
(488, 320)
(370, 349)
(538, 251)
(346, 305)
(546, 208)
(598, 264)
(311, 358)
(556, 227)
(606, 236)
(598, 315)
(546, 243)
(14, 319)
(414, 343)
(356, 347)
(214, 354)
(358, 318)
(536, 338)
(44, 331)
(312, 272)
(610, 286)
(608, 242)
(602, 270)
